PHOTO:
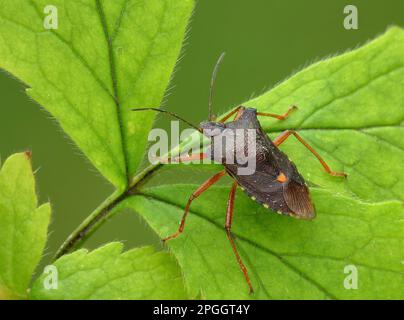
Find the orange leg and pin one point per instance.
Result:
(238, 111)
(229, 219)
(277, 116)
(284, 135)
(183, 158)
(193, 196)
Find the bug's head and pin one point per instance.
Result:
(211, 129)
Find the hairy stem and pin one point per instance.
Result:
(104, 211)
(101, 214)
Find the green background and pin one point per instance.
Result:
(265, 41)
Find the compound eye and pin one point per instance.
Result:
(211, 129)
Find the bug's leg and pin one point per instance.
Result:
(239, 113)
(236, 111)
(284, 135)
(278, 116)
(203, 187)
(182, 158)
(229, 219)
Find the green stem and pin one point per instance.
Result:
(105, 210)
(101, 214)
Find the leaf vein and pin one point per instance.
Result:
(76, 54)
(114, 80)
(259, 246)
(356, 90)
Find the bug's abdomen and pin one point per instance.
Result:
(267, 192)
(282, 194)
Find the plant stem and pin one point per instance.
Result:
(104, 211)
(101, 214)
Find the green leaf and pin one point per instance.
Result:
(107, 273)
(105, 58)
(23, 226)
(351, 110)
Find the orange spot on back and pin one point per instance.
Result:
(281, 178)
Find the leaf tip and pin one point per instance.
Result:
(28, 154)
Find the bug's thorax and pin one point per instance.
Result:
(232, 139)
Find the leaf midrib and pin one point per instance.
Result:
(89, 123)
(119, 20)
(396, 196)
(279, 256)
(88, 68)
(350, 93)
(70, 46)
(290, 93)
(114, 81)
(258, 245)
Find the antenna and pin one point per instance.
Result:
(171, 114)
(212, 82)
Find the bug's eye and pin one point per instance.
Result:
(212, 129)
(211, 124)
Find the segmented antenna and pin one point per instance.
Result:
(171, 114)
(212, 82)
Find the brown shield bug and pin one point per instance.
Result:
(275, 183)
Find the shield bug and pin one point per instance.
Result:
(275, 182)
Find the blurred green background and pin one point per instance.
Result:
(265, 41)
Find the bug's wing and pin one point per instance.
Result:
(297, 198)
(290, 198)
